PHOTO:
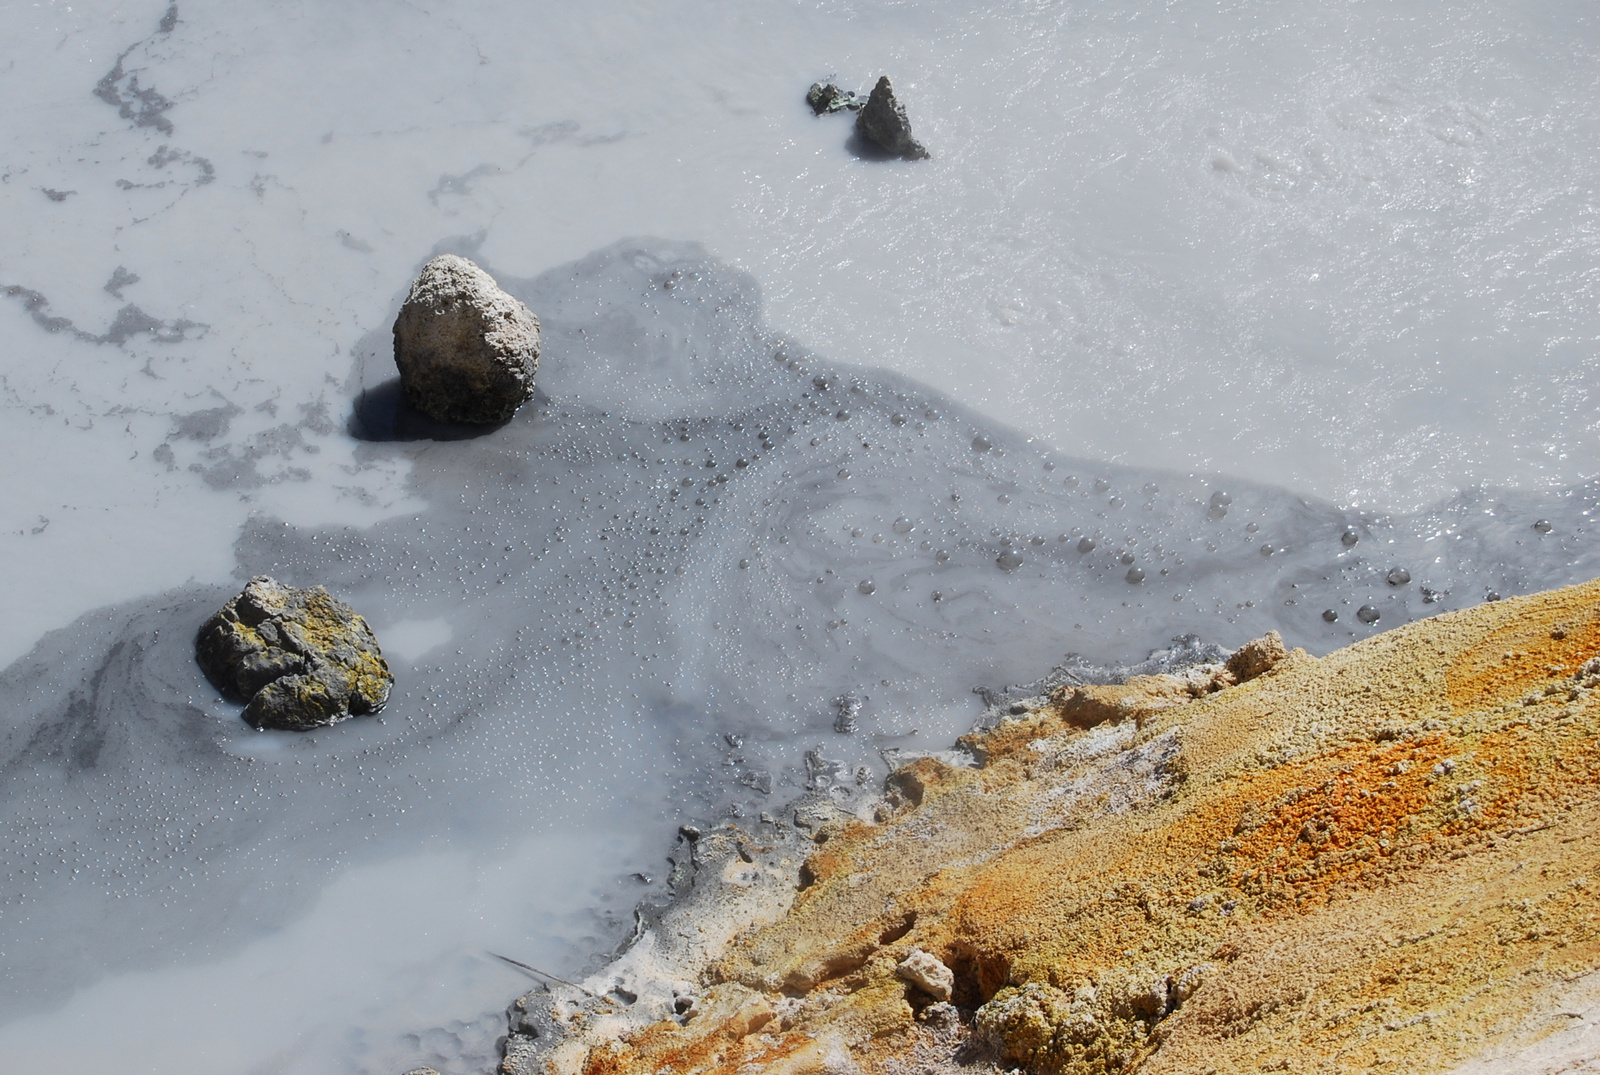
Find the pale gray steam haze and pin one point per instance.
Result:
(1186, 293)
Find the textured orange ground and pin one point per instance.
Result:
(1377, 860)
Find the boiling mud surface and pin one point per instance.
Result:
(1345, 249)
(701, 552)
(1201, 319)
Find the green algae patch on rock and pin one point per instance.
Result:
(298, 658)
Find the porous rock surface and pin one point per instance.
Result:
(298, 658)
(1256, 657)
(466, 350)
(1382, 859)
(883, 122)
(926, 971)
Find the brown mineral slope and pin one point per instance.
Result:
(1380, 860)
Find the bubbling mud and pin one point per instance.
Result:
(700, 552)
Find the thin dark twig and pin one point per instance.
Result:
(543, 974)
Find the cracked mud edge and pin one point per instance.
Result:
(130, 321)
(120, 89)
(146, 107)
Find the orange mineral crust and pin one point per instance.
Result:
(1380, 860)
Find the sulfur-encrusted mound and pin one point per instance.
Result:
(466, 350)
(1381, 859)
(299, 659)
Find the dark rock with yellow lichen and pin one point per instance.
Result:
(298, 658)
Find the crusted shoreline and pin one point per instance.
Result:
(1377, 858)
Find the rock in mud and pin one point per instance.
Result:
(883, 122)
(826, 98)
(466, 350)
(298, 658)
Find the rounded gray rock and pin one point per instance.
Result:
(883, 122)
(466, 350)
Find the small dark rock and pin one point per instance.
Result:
(826, 98)
(883, 122)
(299, 659)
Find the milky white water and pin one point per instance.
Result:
(1336, 261)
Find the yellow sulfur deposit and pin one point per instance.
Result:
(1383, 859)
